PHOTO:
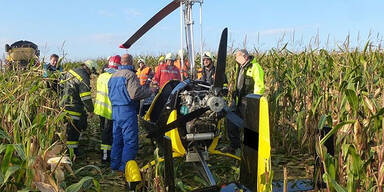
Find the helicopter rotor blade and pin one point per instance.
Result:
(150, 23)
(221, 61)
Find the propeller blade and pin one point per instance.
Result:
(150, 23)
(221, 61)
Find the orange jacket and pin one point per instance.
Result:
(185, 69)
(144, 74)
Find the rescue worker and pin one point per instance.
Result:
(249, 79)
(125, 92)
(166, 71)
(144, 73)
(207, 73)
(50, 68)
(76, 97)
(103, 107)
(159, 62)
(182, 55)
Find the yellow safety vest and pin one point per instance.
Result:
(103, 106)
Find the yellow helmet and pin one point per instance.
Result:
(162, 58)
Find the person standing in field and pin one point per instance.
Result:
(144, 73)
(249, 79)
(159, 62)
(207, 73)
(77, 96)
(166, 71)
(103, 107)
(50, 68)
(125, 92)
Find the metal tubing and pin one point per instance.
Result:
(181, 37)
(201, 34)
(206, 168)
(199, 136)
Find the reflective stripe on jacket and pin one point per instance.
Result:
(165, 73)
(77, 92)
(103, 106)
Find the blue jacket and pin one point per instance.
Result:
(49, 69)
(124, 90)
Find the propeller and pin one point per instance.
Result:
(150, 23)
(221, 63)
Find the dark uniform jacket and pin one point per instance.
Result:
(77, 92)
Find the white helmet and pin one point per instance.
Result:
(208, 55)
(141, 61)
(170, 56)
(91, 64)
(182, 53)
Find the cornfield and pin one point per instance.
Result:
(32, 136)
(306, 90)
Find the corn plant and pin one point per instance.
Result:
(32, 131)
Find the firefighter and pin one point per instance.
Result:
(125, 92)
(103, 107)
(77, 96)
(159, 62)
(208, 71)
(249, 79)
(144, 73)
(166, 71)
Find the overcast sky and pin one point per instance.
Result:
(86, 29)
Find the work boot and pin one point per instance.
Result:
(105, 156)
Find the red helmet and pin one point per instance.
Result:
(114, 61)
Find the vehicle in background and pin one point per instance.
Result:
(21, 54)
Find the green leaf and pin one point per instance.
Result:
(337, 187)
(25, 190)
(345, 149)
(97, 185)
(314, 108)
(2, 147)
(9, 172)
(334, 130)
(1, 178)
(88, 166)
(352, 99)
(323, 120)
(7, 158)
(77, 186)
(4, 135)
(20, 151)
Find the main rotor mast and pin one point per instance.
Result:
(186, 21)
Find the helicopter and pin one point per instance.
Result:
(190, 112)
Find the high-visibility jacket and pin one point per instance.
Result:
(253, 81)
(144, 74)
(165, 73)
(103, 106)
(185, 69)
(77, 92)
